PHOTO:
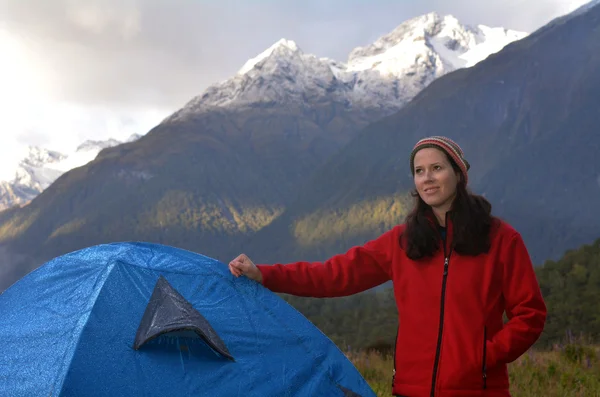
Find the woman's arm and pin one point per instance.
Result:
(360, 268)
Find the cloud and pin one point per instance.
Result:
(122, 18)
(149, 52)
(163, 53)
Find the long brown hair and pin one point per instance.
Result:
(471, 217)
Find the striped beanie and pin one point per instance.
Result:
(447, 145)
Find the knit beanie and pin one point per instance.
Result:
(447, 145)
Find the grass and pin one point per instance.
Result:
(568, 371)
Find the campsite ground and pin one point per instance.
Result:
(570, 371)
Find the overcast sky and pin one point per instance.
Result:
(79, 69)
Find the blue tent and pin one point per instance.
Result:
(138, 319)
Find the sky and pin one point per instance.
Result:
(73, 70)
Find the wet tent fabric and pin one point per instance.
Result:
(139, 319)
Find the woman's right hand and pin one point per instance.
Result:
(242, 265)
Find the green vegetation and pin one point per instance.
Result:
(358, 321)
(326, 226)
(327, 231)
(571, 287)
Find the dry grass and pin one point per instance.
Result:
(569, 371)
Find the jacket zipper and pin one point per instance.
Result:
(483, 366)
(442, 306)
(441, 329)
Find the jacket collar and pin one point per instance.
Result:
(449, 229)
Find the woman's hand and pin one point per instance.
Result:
(242, 265)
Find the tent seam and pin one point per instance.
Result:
(80, 324)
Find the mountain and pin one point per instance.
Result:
(40, 167)
(91, 146)
(33, 174)
(527, 119)
(232, 159)
(382, 76)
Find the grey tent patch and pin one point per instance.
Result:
(168, 312)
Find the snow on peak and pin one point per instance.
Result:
(31, 176)
(383, 75)
(283, 45)
(38, 157)
(87, 151)
(440, 43)
(41, 167)
(91, 145)
(133, 137)
(413, 29)
(492, 41)
(283, 72)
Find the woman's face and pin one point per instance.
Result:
(435, 179)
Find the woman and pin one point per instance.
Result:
(455, 268)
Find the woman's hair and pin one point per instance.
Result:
(471, 224)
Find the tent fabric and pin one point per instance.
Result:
(69, 329)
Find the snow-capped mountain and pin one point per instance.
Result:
(96, 146)
(380, 77)
(91, 145)
(34, 174)
(419, 51)
(40, 167)
(383, 75)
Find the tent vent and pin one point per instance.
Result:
(168, 312)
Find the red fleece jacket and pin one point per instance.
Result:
(451, 338)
